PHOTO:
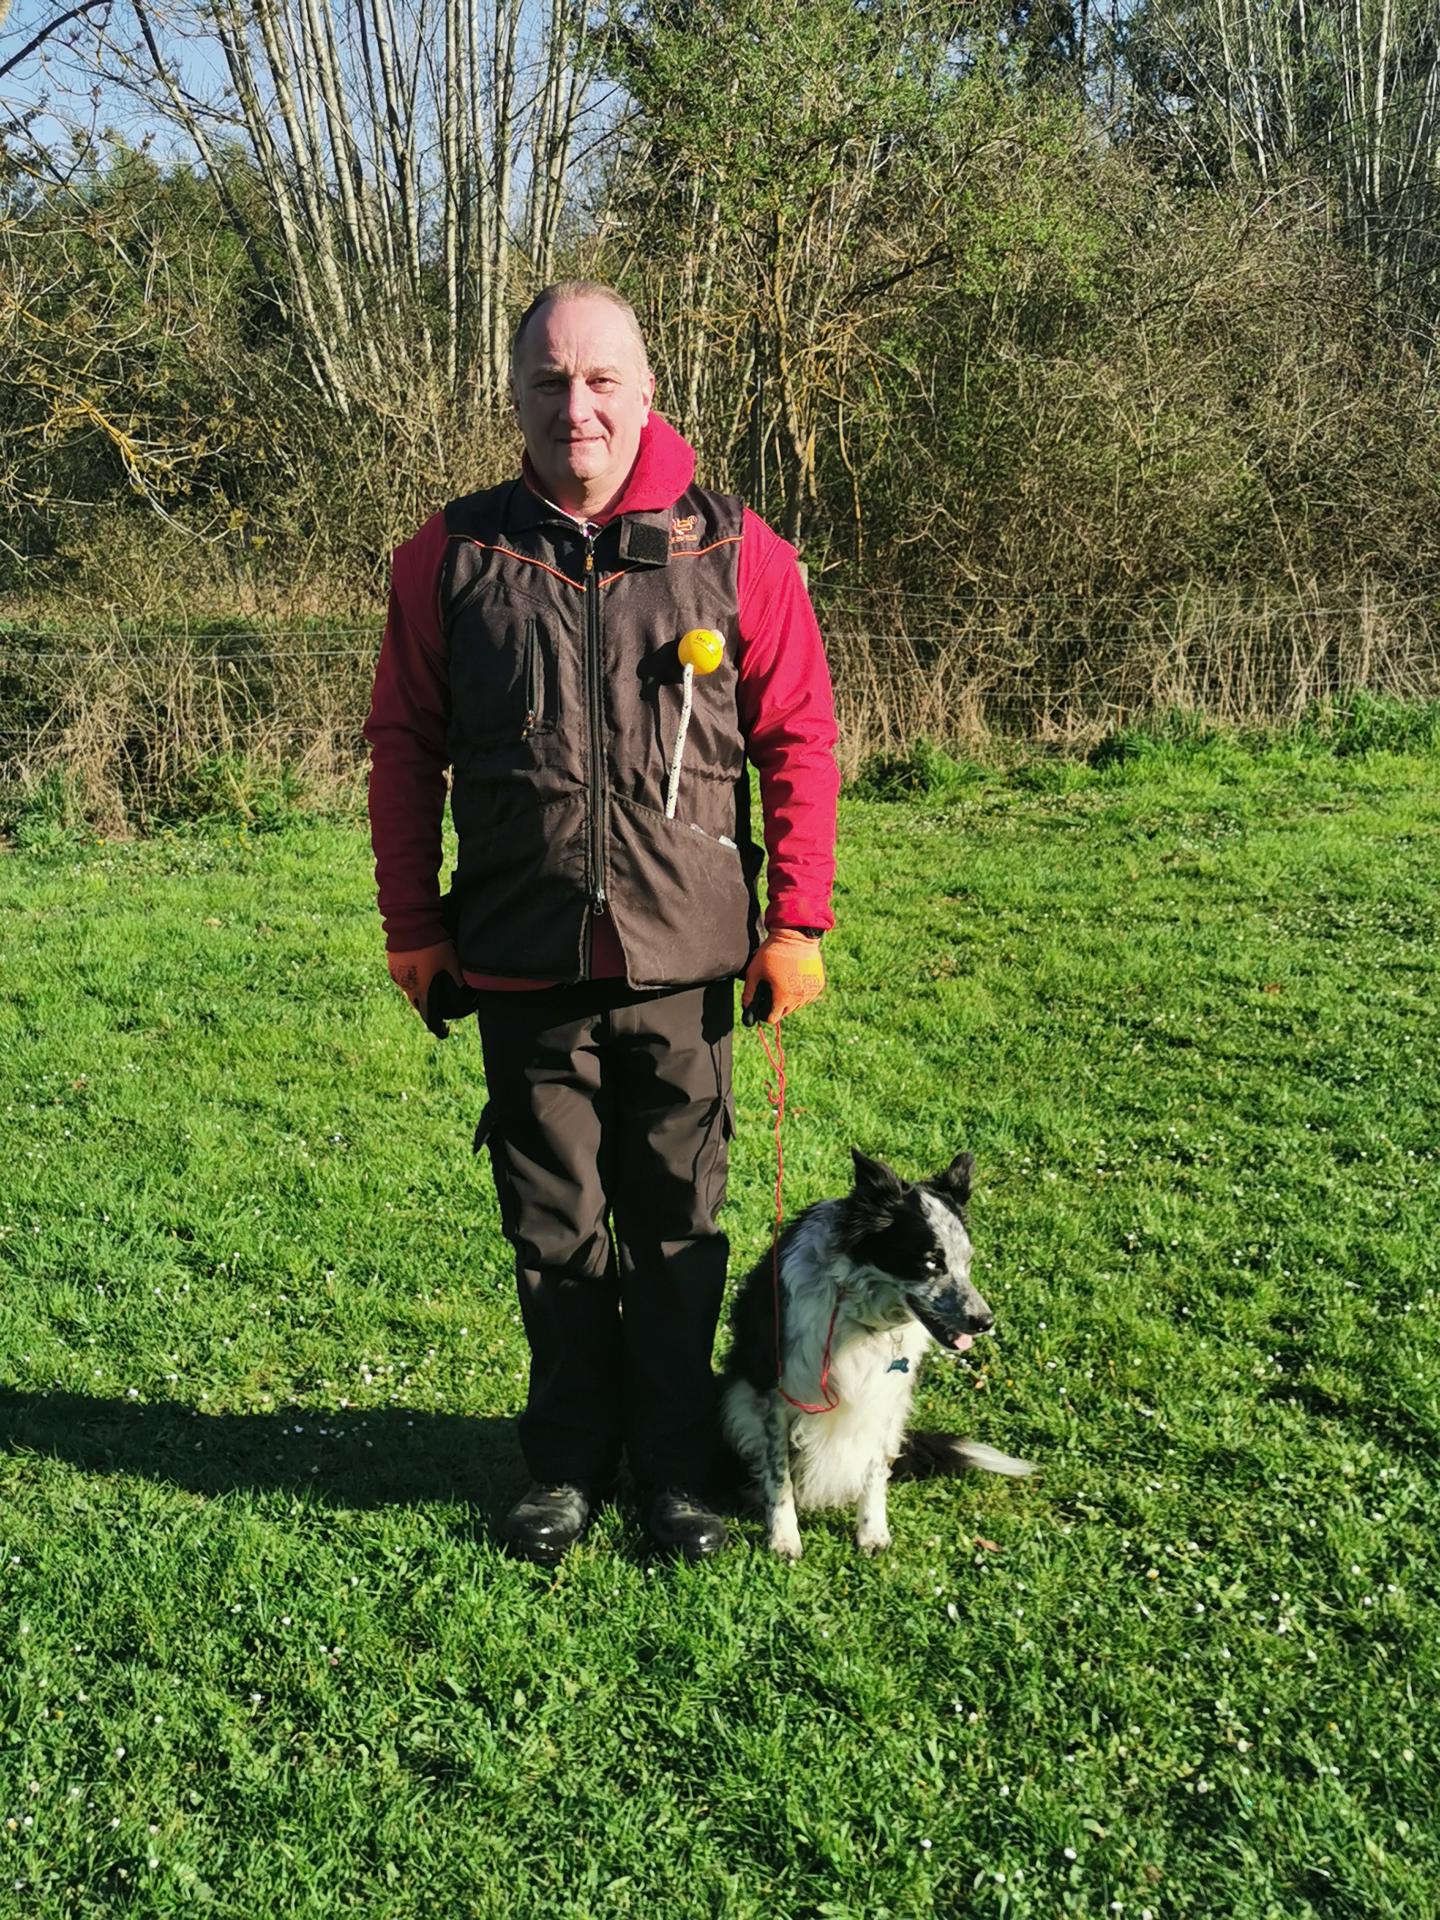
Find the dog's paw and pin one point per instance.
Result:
(873, 1539)
(785, 1543)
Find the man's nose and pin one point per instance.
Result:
(577, 401)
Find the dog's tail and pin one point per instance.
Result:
(927, 1454)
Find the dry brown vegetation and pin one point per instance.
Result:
(121, 726)
(1092, 367)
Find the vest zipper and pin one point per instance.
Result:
(534, 685)
(594, 666)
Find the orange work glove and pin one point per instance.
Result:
(415, 973)
(786, 973)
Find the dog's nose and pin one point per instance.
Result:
(984, 1321)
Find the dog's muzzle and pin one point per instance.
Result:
(957, 1329)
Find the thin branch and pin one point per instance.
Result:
(51, 27)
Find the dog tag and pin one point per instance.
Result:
(902, 1365)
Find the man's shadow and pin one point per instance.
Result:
(356, 1457)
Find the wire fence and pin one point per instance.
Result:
(139, 717)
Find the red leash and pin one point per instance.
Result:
(775, 1094)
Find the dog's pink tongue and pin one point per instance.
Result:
(964, 1342)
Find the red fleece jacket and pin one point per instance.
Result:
(786, 712)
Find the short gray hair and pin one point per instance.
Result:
(561, 291)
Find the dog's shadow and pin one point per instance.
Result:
(356, 1457)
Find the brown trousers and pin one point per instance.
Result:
(608, 1123)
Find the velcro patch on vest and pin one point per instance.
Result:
(648, 546)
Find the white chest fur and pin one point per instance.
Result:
(871, 1377)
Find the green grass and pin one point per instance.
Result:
(259, 1355)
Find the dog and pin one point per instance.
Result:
(867, 1284)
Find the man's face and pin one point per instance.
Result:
(582, 393)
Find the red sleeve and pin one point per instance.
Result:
(788, 715)
(409, 717)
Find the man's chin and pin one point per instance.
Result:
(583, 458)
(563, 473)
(584, 465)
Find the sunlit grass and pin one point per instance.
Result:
(259, 1357)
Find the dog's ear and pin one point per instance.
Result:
(955, 1181)
(874, 1179)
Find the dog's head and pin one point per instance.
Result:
(914, 1234)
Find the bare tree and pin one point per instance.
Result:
(1346, 92)
(413, 159)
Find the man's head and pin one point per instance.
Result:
(582, 388)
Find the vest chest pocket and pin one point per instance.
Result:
(504, 680)
(538, 680)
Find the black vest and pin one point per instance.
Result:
(565, 696)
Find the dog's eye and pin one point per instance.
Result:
(933, 1263)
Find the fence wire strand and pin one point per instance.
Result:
(136, 715)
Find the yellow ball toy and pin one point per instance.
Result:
(702, 648)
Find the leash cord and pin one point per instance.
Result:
(775, 1093)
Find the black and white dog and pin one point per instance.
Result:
(866, 1284)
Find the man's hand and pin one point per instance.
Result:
(415, 974)
(785, 974)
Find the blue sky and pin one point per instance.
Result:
(55, 72)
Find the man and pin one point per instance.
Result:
(532, 646)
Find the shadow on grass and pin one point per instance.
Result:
(375, 1457)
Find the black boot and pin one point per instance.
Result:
(681, 1523)
(547, 1522)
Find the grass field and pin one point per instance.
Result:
(259, 1355)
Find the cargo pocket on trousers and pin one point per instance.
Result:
(712, 1186)
(488, 1134)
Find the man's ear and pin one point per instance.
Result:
(955, 1180)
(874, 1179)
